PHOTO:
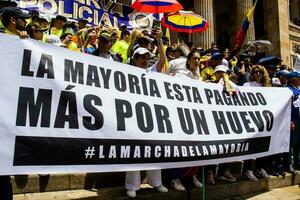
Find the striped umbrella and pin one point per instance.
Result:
(157, 6)
(185, 21)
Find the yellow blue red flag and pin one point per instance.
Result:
(240, 37)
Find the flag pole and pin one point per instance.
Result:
(203, 183)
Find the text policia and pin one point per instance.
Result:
(76, 9)
(191, 121)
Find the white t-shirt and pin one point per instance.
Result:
(186, 73)
(176, 64)
(253, 84)
(153, 68)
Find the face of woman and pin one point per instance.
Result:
(142, 61)
(258, 74)
(194, 62)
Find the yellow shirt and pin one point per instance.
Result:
(57, 32)
(1, 25)
(121, 47)
(203, 60)
(208, 74)
(8, 32)
(73, 46)
(44, 39)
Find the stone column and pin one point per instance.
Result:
(243, 8)
(277, 27)
(205, 8)
(174, 37)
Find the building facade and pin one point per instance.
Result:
(275, 20)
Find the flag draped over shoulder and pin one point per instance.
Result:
(240, 37)
(165, 67)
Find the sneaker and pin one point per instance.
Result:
(291, 170)
(162, 189)
(227, 176)
(196, 182)
(131, 193)
(249, 174)
(177, 185)
(263, 174)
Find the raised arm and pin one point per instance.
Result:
(162, 55)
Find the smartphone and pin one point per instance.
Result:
(156, 24)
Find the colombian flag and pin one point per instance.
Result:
(240, 37)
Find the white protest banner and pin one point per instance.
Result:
(63, 111)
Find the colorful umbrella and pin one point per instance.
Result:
(185, 21)
(157, 6)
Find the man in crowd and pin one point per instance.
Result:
(104, 46)
(82, 23)
(58, 25)
(36, 31)
(5, 3)
(14, 21)
(122, 45)
(293, 84)
(208, 73)
(6, 192)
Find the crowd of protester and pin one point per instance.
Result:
(152, 51)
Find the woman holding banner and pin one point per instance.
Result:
(258, 77)
(141, 58)
(190, 69)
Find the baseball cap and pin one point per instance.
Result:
(37, 27)
(293, 74)
(14, 12)
(9, 2)
(282, 73)
(221, 68)
(225, 62)
(105, 35)
(141, 51)
(217, 55)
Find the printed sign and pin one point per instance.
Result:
(66, 112)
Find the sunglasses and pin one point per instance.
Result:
(196, 58)
(256, 72)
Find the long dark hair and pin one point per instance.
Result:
(190, 55)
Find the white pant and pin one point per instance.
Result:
(133, 179)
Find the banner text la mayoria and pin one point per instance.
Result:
(192, 121)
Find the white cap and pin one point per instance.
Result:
(141, 51)
(221, 68)
(225, 62)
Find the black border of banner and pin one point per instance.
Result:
(37, 151)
